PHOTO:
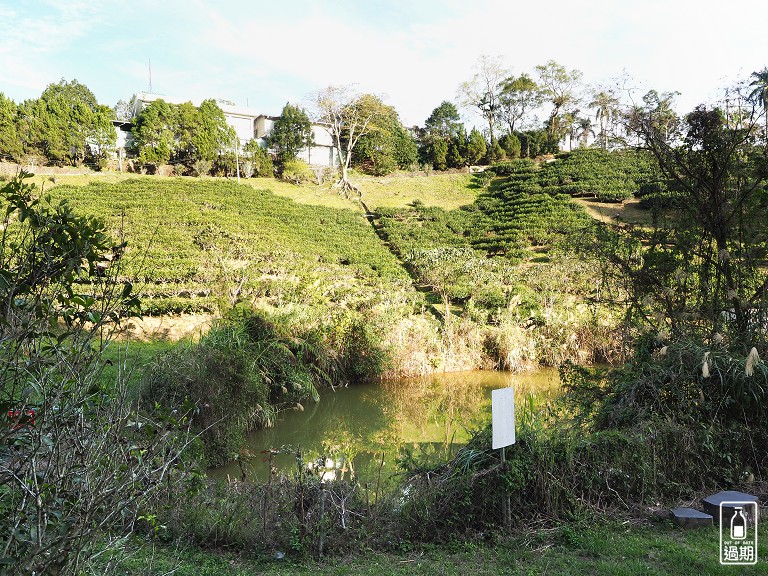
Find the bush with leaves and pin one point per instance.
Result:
(238, 376)
(258, 159)
(297, 171)
(78, 464)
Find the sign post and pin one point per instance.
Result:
(503, 427)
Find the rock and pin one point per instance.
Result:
(712, 503)
(690, 518)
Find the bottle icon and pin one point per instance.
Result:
(738, 525)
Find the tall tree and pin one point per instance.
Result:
(606, 107)
(483, 91)
(476, 147)
(215, 136)
(101, 136)
(347, 116)
(759, 95)
(457, 149)
(569, 122)
(10, 141)
(186, 125)
(659, 113)
(388, 145)
(444, 121)
(67, 123)
(519, 95)
(704, 274)
(153, 133)
(291, 133)
(440, 132)
(584, 130)
(561, 87)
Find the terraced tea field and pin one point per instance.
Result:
(192, 242)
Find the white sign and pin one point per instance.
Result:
(503, 417)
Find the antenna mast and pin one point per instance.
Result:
(150, 76)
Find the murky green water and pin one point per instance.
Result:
(359, 429)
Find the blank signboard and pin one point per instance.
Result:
(503, 417)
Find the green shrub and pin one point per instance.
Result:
(297, 171)
(237, 376)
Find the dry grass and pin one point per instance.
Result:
(168, 328)
(448, 191)
(628, 211)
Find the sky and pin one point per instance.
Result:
(412, 53)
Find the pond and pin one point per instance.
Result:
(361, 430)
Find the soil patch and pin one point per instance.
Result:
(171, 328)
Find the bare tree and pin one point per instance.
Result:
(347, 116)
(484, 90)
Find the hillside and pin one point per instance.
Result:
(437, 282)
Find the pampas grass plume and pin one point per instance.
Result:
(752, 359)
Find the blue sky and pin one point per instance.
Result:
(413, 53)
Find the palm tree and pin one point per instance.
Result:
(567, 126)
(760, 94)
(606, 105)
(584, 131)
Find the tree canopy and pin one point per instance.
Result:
(66, 125)
(483, 90)
(291, 132)
(181, 133)
(387, 145)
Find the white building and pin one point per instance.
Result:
(250, 124)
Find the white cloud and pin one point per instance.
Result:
(414, 53)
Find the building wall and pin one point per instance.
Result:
(243, 127)
(319, 156)
(263, 125)
(322, 136)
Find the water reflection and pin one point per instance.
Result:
(359, 430)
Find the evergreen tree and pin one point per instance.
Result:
(511, 145)
(153, 133)
(257, 159)
(455, 159)
(387, 145)
(72, 121)
(457, 150)
(441, 129)
(291, 133)
(10, 142)
(476, 147)
(185, 128)
(214, 135)
(439, 153)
